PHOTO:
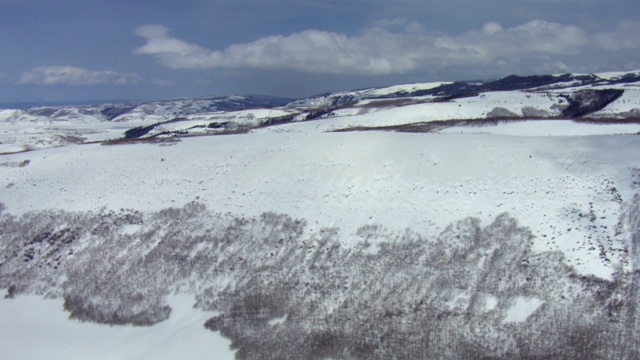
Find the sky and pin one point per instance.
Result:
(85, 50)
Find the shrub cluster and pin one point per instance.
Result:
(283, 291)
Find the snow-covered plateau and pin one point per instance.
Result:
(498, 219)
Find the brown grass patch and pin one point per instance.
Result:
(147, 140)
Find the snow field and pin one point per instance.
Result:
(53, 336)
(41, 135)
(347, 180)
(522, 309)
(615, 74)
(253, 118)
(463, 108)
(546, 128)
(398, 88)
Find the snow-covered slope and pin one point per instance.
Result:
(42, 127)
(606, 96)
(464, 225)
(347, 180)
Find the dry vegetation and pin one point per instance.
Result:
(284, 292)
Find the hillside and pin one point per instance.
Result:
(600, 98)
(484, 219)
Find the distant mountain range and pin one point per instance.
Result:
(122, 110)
(611, 97)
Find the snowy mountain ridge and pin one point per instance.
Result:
(184, 107)
(606, 96)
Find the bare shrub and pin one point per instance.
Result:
(285, 293)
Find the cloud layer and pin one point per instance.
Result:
(625, 36)
(391, 47)
(71, 75)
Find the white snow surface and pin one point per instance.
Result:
(615, 74)
(29, 136)
(522, 309)
(36, 328)
(347, 180)
(198, 123)
(325, 100)
(476, 107)
(546, 128)
(398, 88)
(490, 302)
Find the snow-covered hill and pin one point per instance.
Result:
(477, 220)
(608, 97)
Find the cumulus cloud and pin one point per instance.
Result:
(71, 75)
(307, 51)
(534, 39)
(390, 46)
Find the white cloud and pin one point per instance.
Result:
(535, 39)
(491, 28)
(377, 50)
(307, 51)
(71, 75)
(625, 36)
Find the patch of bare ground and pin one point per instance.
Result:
(148, 140)
(15, 163)
(15, 152)
(393, 103)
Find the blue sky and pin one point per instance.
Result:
(68, 50)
